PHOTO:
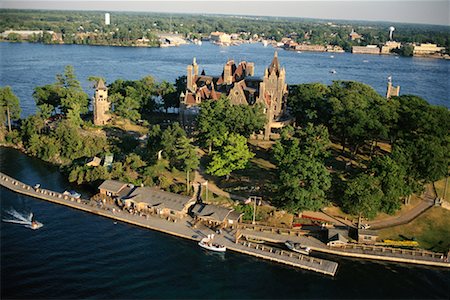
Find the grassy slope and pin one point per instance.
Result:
(431, 230)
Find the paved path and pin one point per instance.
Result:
(426, 202)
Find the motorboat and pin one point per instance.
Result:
(333, 71)
(207, 243)
(297, 247)
(72, 194)
(35, 225)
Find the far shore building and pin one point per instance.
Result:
(426, 49)
(389, 46)
(369, 49)
(353, 36)
(216, 216)
(220, 38)
(238, 83)
(101, 104)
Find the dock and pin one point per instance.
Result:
(177, 227)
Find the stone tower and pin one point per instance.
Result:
(392, 91)
(273, 93)
(192, 73)
(101, 104)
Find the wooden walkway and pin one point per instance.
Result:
(177, 227)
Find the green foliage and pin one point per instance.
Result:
(86, 174)
(218, 117)
(362, 196)
(308, 102)
(65, 95)
(131, 98)
(9, 103)
(186, 154)
(393, 182)
(233, 155)
(302, 176)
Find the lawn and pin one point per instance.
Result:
(431, 230)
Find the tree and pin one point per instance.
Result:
(303, 179)
(308, 102)
(169, 138)
(233, 155)
(393, 182)
(187, 157)
(218, 117)
(168, 94)
(9, 106)
(65, 94)
(362, 196)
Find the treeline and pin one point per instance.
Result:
(126, 28)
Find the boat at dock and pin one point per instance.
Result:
(297, 247)
(253, 240)
(207, 243)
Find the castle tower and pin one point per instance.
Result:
(392, 91)
(228, 72)
(192, 73)
(101, 104)
(273, 93)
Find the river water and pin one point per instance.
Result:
(24, 66)
(78, 255)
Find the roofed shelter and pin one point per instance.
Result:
(114, 188)
(216, 215)
(153, 200)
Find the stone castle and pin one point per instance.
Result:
(238, 83)
(101, 104)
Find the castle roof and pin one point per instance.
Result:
(275, 64)
(100, 85)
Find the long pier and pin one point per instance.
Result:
(178, 227)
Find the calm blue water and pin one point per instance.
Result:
(24, 66)
(79, 255)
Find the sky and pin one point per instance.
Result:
(407, 11)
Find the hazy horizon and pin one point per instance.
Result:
(416, 12)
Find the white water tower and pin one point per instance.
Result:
(391, 30)
(107, 19)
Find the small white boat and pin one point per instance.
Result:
(35, 225)
(296, 247)
(299, 51)
(208, 244)
(331, 56)
(333, 71)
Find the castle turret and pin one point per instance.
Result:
(101, 104)
(228, 73)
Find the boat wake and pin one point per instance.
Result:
(15, 217)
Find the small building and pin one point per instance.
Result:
(337, 237)
(215, 215)
(389, 46)
(426, 49)
(94, 162)
(153, 200)
(366, 236)
(369, 49)
(353, 36)
(220, 38)
(312, 48)
(114, 188)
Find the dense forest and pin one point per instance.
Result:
(126, 27)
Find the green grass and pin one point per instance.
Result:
(431, 230)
